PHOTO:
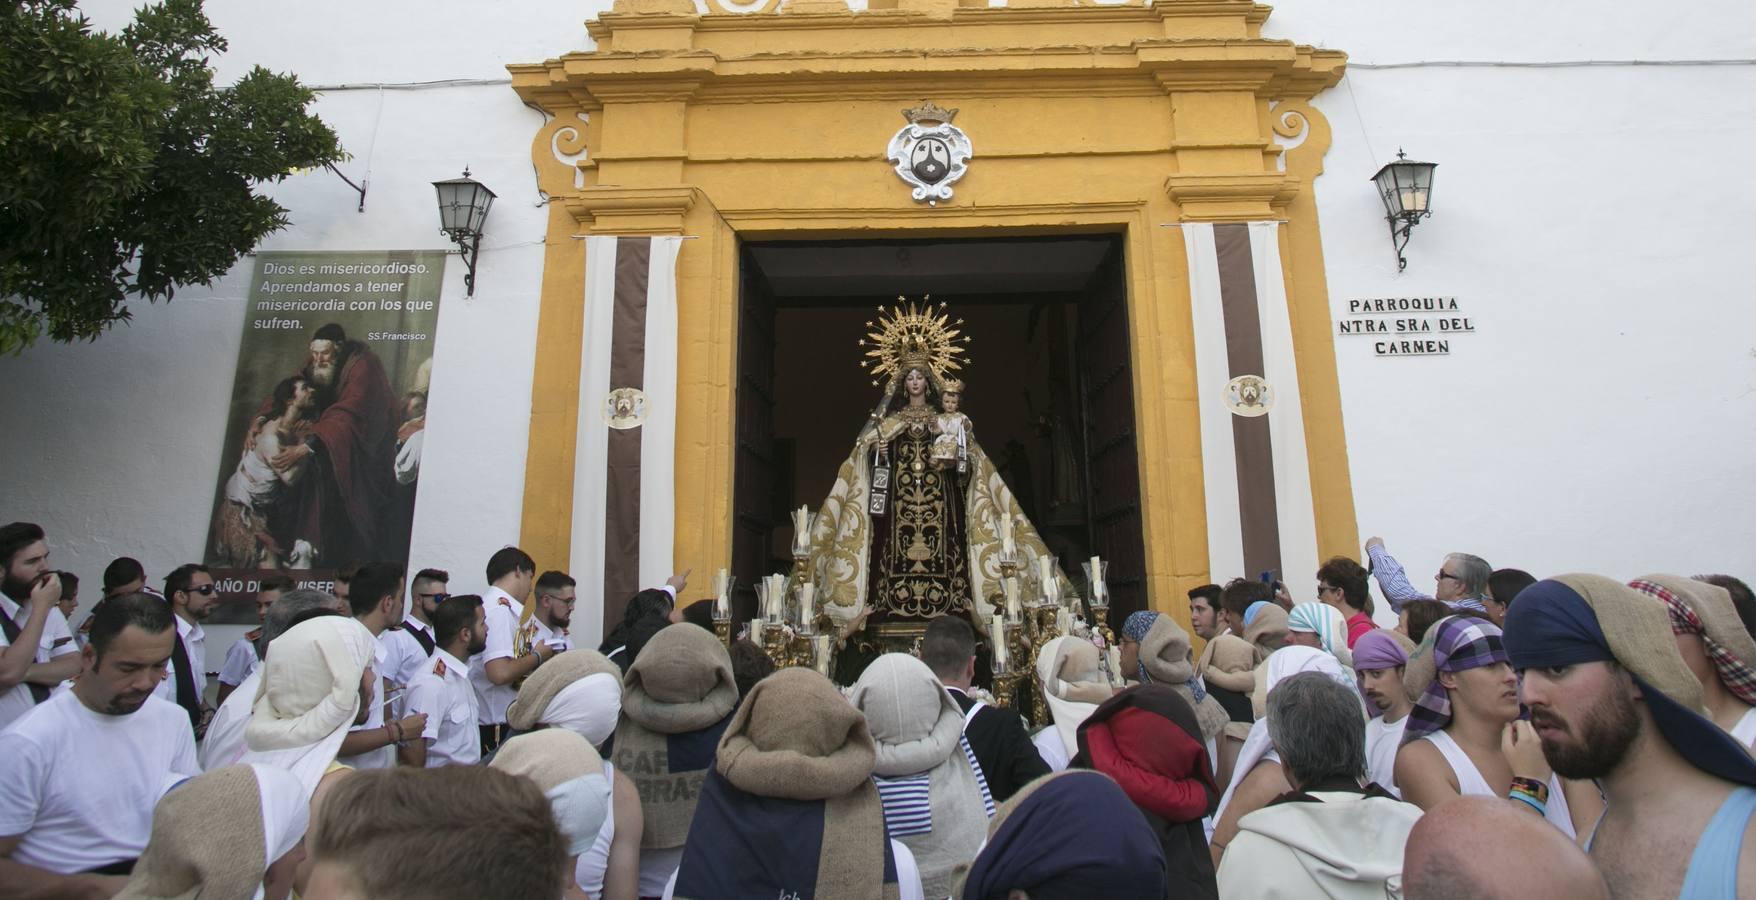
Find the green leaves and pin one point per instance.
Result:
(128, 173)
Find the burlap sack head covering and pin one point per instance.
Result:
(1575, 619)
(913, 721)
(1073, 684)
(806, 755)
(1706, 611)
(215, 835)
(796, 738)
(1165, 658)
(1267, 629)
(539, 690)
(309, 696)
(682, 681)
(570, 773)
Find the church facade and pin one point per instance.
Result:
(1560, 373)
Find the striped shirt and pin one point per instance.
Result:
(1397, 589)
(908, 805)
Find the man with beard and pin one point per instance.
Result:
(344, 498)
(193, 595)
(79, 774)
(443, 693)
(1612, 699)
(36, 648)
(553, 614)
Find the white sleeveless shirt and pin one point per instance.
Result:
(1470, 782)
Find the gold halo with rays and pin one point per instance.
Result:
(912, 333)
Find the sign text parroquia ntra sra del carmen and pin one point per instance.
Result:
(1407, 326)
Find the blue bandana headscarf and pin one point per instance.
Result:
(1555, 623)
(1254, 608)
(1070, 835)
(1134, 628)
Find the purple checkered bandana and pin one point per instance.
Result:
(1457, 643)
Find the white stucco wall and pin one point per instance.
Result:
(1590, 219)
(1587, 221)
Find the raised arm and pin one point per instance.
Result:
(1391, 579)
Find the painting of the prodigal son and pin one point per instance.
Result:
(326, 471)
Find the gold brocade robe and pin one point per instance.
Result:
(843, 538)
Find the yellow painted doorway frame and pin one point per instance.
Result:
(774, 125)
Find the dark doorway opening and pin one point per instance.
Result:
(1049, 385)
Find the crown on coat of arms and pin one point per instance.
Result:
(929, 113)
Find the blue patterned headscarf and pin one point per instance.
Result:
(1135, 628)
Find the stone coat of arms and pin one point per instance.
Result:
(930, 153)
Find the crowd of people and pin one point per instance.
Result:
(1574, 736)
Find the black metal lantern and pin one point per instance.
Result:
(463, 208)
(1406, 187)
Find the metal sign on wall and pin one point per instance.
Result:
(1407, 326)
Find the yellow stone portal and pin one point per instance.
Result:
(1123, 119)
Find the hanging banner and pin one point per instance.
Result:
(323, 442)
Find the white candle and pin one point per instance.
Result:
(755, 635)
(1006, 544)
(1117, 676)
(722, 607)
(1063, 621)
(997, 631)
(1099, 591)
(807, 606)
(1014, 610)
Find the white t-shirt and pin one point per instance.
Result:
(1382, 741)
(383, 757)
(443, 691)
(1745, 731)
(501, 610)
(195, 642)
(80, 786)
(57, 641)
(403, 655)
(240, 661)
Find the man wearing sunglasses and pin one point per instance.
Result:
(408, 646)
(193, 596)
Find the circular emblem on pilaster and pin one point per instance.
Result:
(1249, 396)
(624, 408)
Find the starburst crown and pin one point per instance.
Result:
(912, 334)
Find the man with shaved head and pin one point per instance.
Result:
(1484, 848)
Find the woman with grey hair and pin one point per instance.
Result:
(1335, 834)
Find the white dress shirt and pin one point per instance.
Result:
(443, 691)
(57, 641)
(501, 611)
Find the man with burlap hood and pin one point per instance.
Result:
(1715, 646)
(790, 809)
(1611, 699)
(228, 833)
(677, 699)
(936, 798)
(580, 691)
(1072, 681)
(1162, 655)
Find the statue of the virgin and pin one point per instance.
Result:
(915, 523)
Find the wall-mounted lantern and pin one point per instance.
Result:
(463, 208)
(1406, 186)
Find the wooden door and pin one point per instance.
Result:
(754, 473)
(1106, 379)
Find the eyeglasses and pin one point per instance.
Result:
(567, 600)
(1326, 588)
(1444, 575)
(205, 590)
